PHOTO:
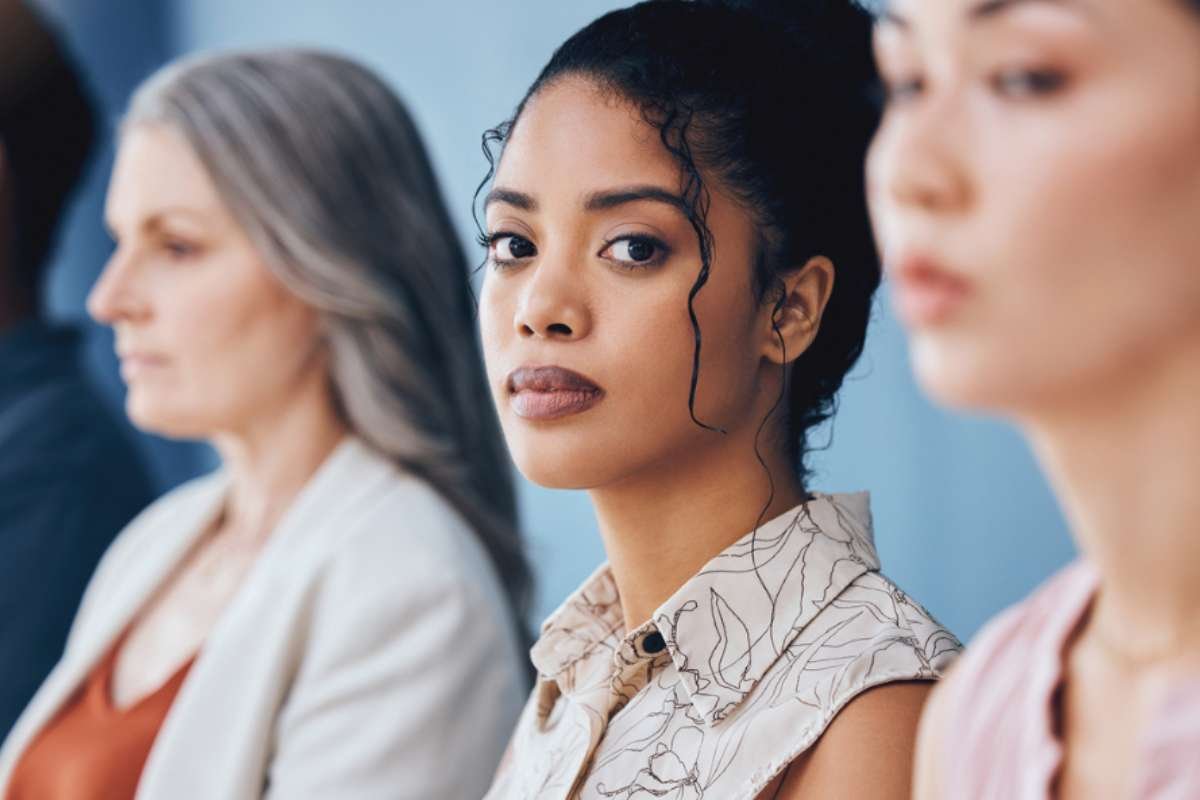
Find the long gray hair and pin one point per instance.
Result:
(324, 169)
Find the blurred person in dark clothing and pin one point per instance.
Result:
(69, 479)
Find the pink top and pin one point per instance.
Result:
(1000, 741)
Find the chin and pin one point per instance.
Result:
(570, 462)
(557, 471)
(154, 418)
(964, 379)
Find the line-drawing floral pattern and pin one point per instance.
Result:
(762, 648)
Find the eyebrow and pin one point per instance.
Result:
(510, 197)
(612, 198)
(603, 200)
(979, 12)
(992, 8)
(156, 220)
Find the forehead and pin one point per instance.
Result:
(972, 14)
(1140, 36)
(156, 168)
(574, 136)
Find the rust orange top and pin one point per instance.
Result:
(92, 750)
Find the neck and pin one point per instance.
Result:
(1125, 464)
(271, 458)
(661, 526)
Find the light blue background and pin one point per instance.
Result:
(964, 520)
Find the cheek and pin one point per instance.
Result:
(879, 174)
(496, 307)
(253, 327)
(1086, 265)
(730, 361)
(1112, 256)
(651, 344)
(238, 342)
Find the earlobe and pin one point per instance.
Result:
(794, 317)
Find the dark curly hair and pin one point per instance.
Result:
(773, 101)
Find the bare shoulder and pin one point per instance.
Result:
(867, 751)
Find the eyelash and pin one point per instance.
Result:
(489, 240)
(178, 250)
(1037, 82)
(662, 251)
(1031, 83)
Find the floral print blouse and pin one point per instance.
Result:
(732, 678)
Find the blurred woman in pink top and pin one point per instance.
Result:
(1036, 193)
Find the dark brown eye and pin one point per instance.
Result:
(640, 250)
(178, 249)
(1028, 82)
(634, 251)
(508, 247)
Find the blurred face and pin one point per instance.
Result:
(584, 309)
(1035, 189)
(209, 340)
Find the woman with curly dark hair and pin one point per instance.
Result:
(680, 275)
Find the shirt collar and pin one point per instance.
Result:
(730, 623)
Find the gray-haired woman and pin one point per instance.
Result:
(334, 612)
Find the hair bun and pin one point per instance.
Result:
(843, 20)
(792, 11)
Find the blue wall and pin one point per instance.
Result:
(964, 520)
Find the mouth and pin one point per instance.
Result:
(547, 393)
(134, 363)
(926, 293)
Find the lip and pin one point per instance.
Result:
(551, 392)
(134, 363)
(926, 293)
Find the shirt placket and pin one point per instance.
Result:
(627, 673)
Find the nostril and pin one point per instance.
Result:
(525, 330)
(559, 328)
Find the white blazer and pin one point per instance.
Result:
(368, 654)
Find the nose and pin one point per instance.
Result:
(552, 305)
(114, 297)
(916, 161)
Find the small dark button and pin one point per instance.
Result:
(653, 643)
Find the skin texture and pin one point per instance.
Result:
(974, 173)
(880, 722)
(1044, 154)
(212, 347)
(669, 495)
(187, 291)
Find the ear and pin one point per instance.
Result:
(793, 310)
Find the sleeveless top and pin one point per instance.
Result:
(732, 678)
(93, 750)
(999, 740)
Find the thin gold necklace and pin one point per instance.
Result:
(1116, 649)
